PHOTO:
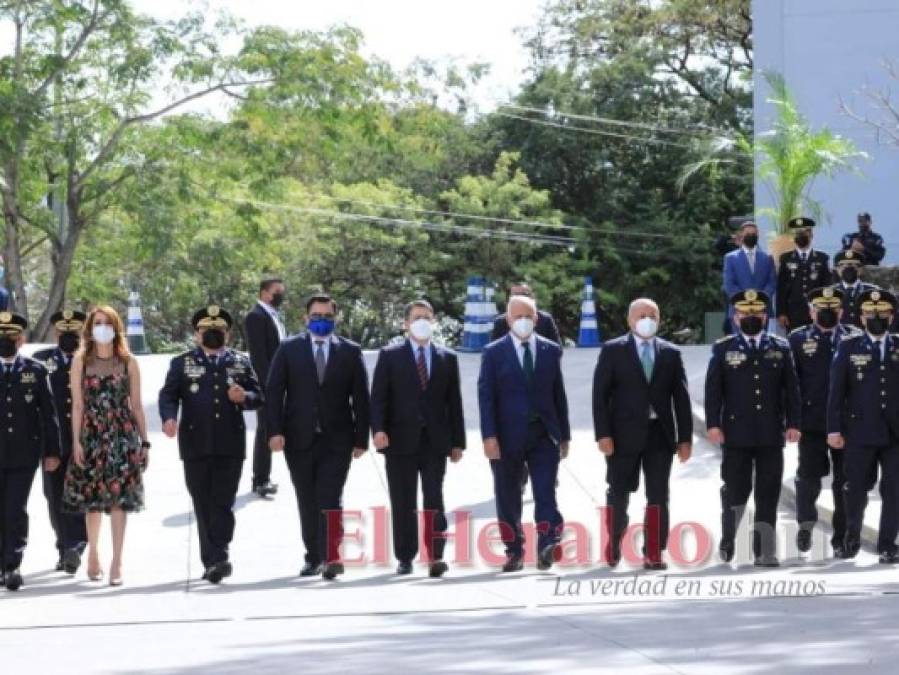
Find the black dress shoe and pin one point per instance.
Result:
(804, 540)
(513, 563)
(838, 551)
(60, 565)
(437, 569)
(71, 561)
(13, 581)
(613, 555)
(214, 574)
(266, 489)
(548, 556)
(888, 558)
(311, 570)
(726, 550)
(850, 549)
(404, 567)
(768, 560)
(332, 570)
(655, 565)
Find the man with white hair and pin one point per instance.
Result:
(641, 416)
(524, 422)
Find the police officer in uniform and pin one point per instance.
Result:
(799, 271)
(213, 385)
(813, 350)
(865, 243)
(863, 418)
(30, 433)
(71, 534)
(751, 396)
(848, 266)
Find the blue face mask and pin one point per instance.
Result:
(321, 327)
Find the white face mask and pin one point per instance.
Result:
(421, 329)
(647, 327)
(523, 327)
(103, 334)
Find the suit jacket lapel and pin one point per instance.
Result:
(635, 357)
(334, 347)
(512, 351)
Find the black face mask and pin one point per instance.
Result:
(277, 299)
(751, 325)
(750, 240)
(877, 326)
(8, 347)
(827, 318)
(802, 240)
(849, 275)
(69, 342)
(213, 338)
(864, 227)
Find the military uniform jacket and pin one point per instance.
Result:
(813, 352)
(851, 314)
(795, 279)
(752, 395)
(211, 425)
(59, 366)
(29, 428)
(863, 403)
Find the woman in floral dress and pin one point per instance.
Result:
(110, 437)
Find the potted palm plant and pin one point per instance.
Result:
(791, 156)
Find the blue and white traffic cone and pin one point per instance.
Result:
(588, 336)
(478, 316)
(134, 331)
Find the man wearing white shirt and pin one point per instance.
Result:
(264, 331)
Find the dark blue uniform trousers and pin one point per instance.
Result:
(542, 459)
(861, 463)
(15, 486)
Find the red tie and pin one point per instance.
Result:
(422, 368)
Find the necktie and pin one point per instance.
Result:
(7, 369)
(213, 359)
(753, 346)
(528, 364)
(320, 361)
(646, 358)
(802, 257)
(422, 367)
(877, 352)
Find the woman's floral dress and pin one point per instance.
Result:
(113, 456)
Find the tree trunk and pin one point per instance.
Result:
(15, 282)
(63, 254)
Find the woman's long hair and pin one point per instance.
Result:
(119, 344)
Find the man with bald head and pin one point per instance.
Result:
(641, 416)
(524, 422)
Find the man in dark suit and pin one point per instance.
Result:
(863, 421)
(546, 325)
(213, 385)
(751, 398)
(642, 416)
(317, 409)
(813, 350)
(265, 331)
(30, 436)
(849, 266)
(800, 270)
(417, 422)
(524, 421)
(69, 528)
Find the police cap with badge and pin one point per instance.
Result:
(212, 316)
(750, 301)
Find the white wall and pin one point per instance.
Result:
(827, 49)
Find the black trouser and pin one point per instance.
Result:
(541, 457)
(403, 471)
(15, 486)
(70, 528)
(861, 464)
(815, 458)
(318, 474)
(212, 483)
(737, 466)
(623, 477)
(262, 454)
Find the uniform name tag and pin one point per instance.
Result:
(810, 347)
